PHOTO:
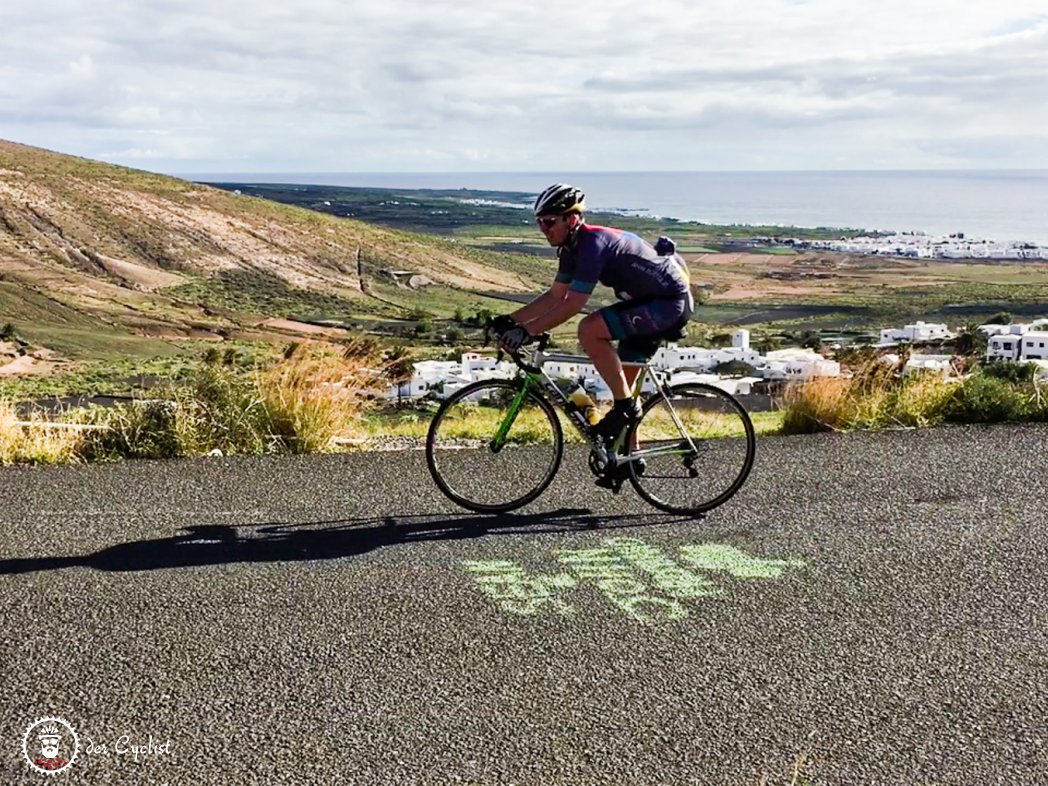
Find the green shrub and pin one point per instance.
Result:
(734, 368)
(1037, 411)
(216, 410)
(309, 402)
(922, 399)
(984, 398)
(811, 341)
(1016, 373)
(222, 411)
(139, 429)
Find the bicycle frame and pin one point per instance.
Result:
(537, 379)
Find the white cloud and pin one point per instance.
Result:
(323, 85)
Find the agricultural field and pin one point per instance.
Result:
(111, 277)
(764, 286)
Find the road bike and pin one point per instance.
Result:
(496, 444)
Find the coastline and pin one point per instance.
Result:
(423, 208)
(999, 206)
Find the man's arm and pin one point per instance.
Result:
(540, 305)
(553, 308)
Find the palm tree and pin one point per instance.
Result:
(970, 340)
(399, 368)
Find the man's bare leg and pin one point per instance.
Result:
(596, 340)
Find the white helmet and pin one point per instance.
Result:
(559, 199)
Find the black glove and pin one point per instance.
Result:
(502, 323)
(515, 338)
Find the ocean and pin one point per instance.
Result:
(992, 205)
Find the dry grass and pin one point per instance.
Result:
(312, 397)
(801, 772)
(820, 404)
(298, 404)
(876, 396)
(36, 441)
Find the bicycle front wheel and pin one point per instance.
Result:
(698, 449)
(493, 447)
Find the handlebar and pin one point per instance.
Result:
(542, 340)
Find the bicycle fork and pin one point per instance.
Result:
(499, 440)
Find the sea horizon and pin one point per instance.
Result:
(992, 204)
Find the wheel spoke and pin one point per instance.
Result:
(490, 450)
(696, 471)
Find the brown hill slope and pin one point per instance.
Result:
(87, 246)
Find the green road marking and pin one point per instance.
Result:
(668, 576)
(615, 578)
(635, 577)
(515, 591)
(717, 556)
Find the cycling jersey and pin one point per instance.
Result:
(622, 261)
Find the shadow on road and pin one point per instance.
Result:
(279, 542)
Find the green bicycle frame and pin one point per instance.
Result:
(540, 381)
(499, 440)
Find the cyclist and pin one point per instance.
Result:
(653, 289)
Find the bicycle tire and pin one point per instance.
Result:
(466, 467)
(678, 481)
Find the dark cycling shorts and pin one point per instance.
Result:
(640, 325)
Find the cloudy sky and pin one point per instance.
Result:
(491, 85)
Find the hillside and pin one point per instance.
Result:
(110, 265)
(97, 259)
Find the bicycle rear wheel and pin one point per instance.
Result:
(491, 448)
(696, 455)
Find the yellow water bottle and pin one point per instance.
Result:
(581, 399)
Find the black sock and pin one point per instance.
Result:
(626, 405)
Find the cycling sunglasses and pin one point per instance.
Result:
(548, 221)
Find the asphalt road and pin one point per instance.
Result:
(870, 609)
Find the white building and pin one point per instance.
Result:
(570, 370)
(1004, 346)
(939, 363)
(1016, 342)
(919, 331)
(798, 364)
(1034, 345)
(1014, 329)
(701, 359)
(441, 377)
